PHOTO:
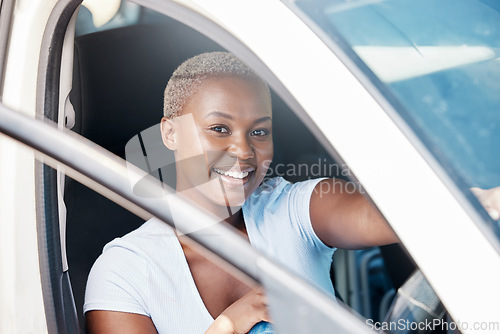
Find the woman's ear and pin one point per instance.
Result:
(168, 133)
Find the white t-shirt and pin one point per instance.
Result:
(146, 272)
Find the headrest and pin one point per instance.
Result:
(118, 82)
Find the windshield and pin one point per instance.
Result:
(439, 60)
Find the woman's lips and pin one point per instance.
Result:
(234, 177)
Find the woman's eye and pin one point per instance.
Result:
(260, 132)
(220, 129)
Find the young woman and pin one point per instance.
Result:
(218, 121)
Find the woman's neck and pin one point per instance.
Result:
(232, 215)
(237, 220)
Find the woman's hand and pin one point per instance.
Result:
(242, 315)
(490, 199)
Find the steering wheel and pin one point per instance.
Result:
(415, 306)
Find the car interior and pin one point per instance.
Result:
(120, 70)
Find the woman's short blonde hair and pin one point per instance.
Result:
(188, 77)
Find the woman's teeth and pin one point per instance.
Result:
(233, 174)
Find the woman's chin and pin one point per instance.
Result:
(232, 199)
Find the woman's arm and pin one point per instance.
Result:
(238, 318)
(111, 322)
(344, 218)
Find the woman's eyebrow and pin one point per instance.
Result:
(224, 115)
(219, 114)
(263, 119)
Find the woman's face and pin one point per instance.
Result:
(222, 141)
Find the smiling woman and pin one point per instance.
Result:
(242, 129)
(218, 122)
(236, 142)
(219, 112)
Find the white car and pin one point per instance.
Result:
(401, 97)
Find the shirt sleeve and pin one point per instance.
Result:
(118, 281)
(299, 200)
(278, 223)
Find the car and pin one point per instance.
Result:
(398, 97)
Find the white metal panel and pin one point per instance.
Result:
(455, 256)
(21, 305)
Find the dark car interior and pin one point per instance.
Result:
(119, 75)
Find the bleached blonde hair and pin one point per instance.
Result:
(189, 76)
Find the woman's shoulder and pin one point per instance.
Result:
(277, 190)
(117, 278)
(141, 245)
(151, 229)
(270, 188)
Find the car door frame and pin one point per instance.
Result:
(47, 103)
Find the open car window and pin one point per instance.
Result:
(119, 74)
(129, 95)
(298, 155)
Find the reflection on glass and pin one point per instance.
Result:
(440, 59)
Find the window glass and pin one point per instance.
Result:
(441, 60)
(437, 63)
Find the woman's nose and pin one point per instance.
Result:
(241, 147)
